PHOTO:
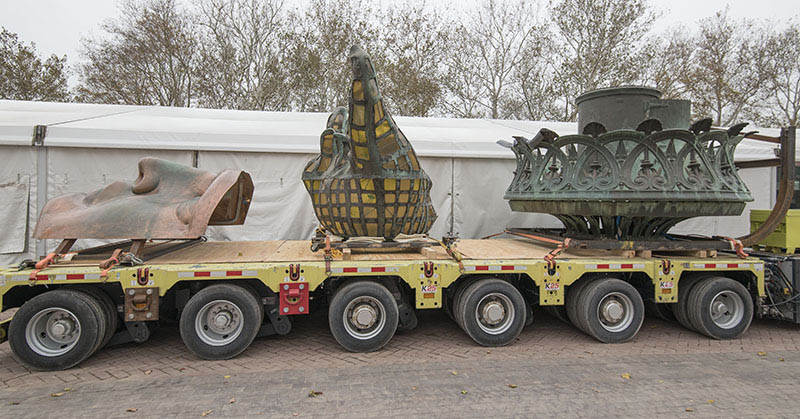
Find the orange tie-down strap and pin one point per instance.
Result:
(736, 245)
(550, 257)
(109, 263)
(43, 264)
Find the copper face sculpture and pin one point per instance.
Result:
(367, 180)
(167, 201)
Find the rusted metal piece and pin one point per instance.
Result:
(635, 181)
(141, 304)
(785, 189)
(367, 180)
(167, 201)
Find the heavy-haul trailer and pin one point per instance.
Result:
(225, 294)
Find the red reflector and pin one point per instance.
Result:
(42, 277)
(627, 266)
(202, 274)
(481, 268)
(603, 266)
(349, 269)
(711, 265)
(507, 268)
(379, 269)
(733, 265)
(74, 276)
(233, 273)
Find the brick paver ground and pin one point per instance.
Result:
(433, 369)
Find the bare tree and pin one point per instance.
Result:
(729, 68)
(23, 75)
(497, 34)
(411, 45)
(668, 61)
(320, 39)
(241, 53)
(148, 57)
(781, 93)
(597, 43)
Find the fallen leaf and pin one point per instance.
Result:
(314, 393)
(226, 376)
(626, 376)
(131, 409)
(781, 359)
(414, 388)
(13, 403)
(710, 401)
(463, 391)
(454, 372)
(660, 381)
(588, 352)
(181, 369)
(56, 394)
(762, 354)
(295, 414)
(148, 372)
(512, 386)
(689, 409)
(206, 413)
(232, 401)
(67, 388)
(488, 352)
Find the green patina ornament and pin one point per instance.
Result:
(637, 168)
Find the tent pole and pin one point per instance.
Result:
(39, 132)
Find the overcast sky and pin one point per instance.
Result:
(57, 26)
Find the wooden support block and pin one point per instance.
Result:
(644, 253)
(429, 252)
(346, 254)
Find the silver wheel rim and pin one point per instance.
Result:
(615, 312)
(726, 309)
(219, 323)
(364, 317)
(53, 332)
(495, 313)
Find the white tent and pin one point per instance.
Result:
(86, 147)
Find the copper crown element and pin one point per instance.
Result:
(367, 180)
(637, 168)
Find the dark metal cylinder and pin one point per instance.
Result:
(626, 107)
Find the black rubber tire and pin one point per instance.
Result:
(457, 300)
(109, 311)
(447, 303)
(662, 311)
(573, 295)
(590, 299)
(80, 307)
(469, 305)
(336, 312)
(559, 312)
(528, 314)
(700, 302)
(252, 316)
(680, 309)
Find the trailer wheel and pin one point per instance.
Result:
(363, 316)
(573, 296)
(220, 321)
(611, 310)
(55, 330)
(720, 308)
(458, 300)
(108, 308)
(681, 308)
(492, 312)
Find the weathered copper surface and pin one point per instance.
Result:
(167, 201)
(367, 180)
(636, 181)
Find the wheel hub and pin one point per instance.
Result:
(60, 328)
(613, 311)
(493, 312)
(219, 322)
(718, 308)
(364, 316)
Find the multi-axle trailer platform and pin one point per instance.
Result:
(225, 294)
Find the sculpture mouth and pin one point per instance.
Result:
(637, 180)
